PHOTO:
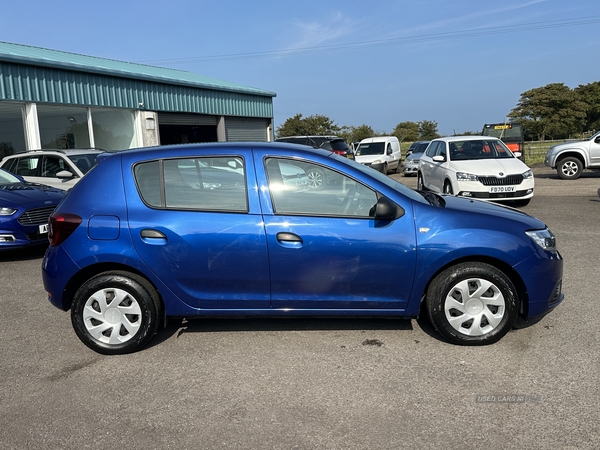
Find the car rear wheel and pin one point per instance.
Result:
(472, 304)
(569, 168)
(115, 313)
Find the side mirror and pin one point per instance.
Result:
(64, 174)
(517, 154)
(439, 158)
(385, 209)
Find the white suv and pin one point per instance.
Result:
(56, 168)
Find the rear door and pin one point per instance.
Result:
(196, 222)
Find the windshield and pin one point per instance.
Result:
(372, 148)
(478, 149)
(597, 135)
(503, 130)
(8, 178)
(84, 162)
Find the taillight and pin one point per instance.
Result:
(61, 226)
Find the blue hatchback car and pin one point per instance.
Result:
(24, 211)
(219, 230)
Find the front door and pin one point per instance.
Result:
(327, 252)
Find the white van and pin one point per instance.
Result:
(381, 153)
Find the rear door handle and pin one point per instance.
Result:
(154, 237)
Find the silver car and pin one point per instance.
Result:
(57, 168)
(411, 163)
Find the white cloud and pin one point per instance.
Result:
(323, 32)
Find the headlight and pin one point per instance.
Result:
(5, 211)
(528, 174)
(462, 176)
(377, 161)
(543, 238)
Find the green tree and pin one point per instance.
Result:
(355, 134)
(590, 95)
(554, 111)
(406, 131)
(428, 130)
(315, 125)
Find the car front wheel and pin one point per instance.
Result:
(569, 168)
(115, 313)
(472, 304)
(316, 179)
(448, 188)
(420, 185)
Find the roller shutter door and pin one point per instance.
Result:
(243, 129)
(186, 119)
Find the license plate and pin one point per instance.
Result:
(501, 189)
(43, 229)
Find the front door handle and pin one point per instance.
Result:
(289, 240)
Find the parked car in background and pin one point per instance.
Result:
(411, 162)
(57, 168)
(132, 245)
(317, 177)
(511, 133)
(24, 211)
(380, 153)
(331, 143)
(475, 167)
(569, 159)
(414, 145)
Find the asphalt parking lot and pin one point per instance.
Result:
(314, 383)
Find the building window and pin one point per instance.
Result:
(113, 129)
(12, 132)
(63, 127)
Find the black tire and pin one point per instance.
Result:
(466, 314)
(385, 170)
(569, 168)
(116, 329)
(420, 185)
(316, 178)
(448, 188)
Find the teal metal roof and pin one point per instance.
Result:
(35, 56)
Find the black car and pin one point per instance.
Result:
(331, 143)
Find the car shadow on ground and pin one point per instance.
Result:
(178, 327)
(23, 254)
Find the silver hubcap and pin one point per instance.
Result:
(569, 168)
(112, 316)
(474, 307)
(315, 180)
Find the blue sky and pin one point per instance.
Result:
(459, 63)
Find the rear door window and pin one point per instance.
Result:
(205, 184)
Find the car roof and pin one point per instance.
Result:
(465, 138)
(176, 150)
(53, 151)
